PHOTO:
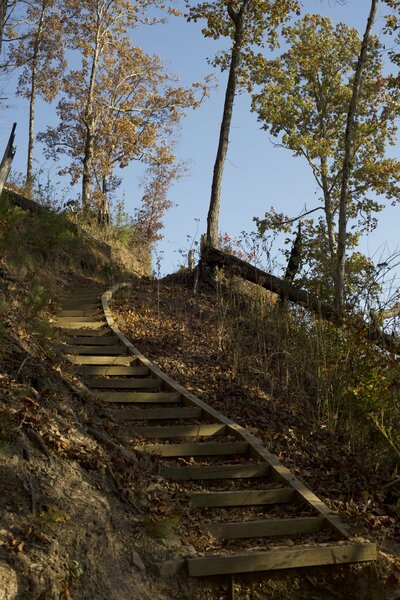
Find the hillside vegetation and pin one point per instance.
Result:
(85, 513)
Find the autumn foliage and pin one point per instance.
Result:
(116, 105)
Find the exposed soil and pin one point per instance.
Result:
(85, 514)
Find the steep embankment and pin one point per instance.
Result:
(65, 520)
(213, 345)
(83, 513)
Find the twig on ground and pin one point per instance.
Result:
(38, 440)
(21, 367)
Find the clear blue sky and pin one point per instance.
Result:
(257, 175)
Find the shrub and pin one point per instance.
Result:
(337, 374)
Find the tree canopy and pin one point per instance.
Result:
(313, 80)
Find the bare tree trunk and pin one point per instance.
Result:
(212, 257)
(347, 165)
(3, 11)
(103, 215)
(7, 159)
(32, 102)
(31, 134)
(89, 124)
(87, 166)
(215, 200)
(328, 208)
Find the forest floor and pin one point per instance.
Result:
(186, 335)
(85, 515)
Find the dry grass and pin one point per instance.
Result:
(282, 376)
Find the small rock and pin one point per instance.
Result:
(137, 561)
(170, 568)
(290, 542)
(172, 541)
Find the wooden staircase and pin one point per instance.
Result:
(231, 470)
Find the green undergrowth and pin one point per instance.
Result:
(43, 254)
(337, 375)
(40, 232)
(160, 528)
(23, 235)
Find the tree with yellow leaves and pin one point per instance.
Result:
(121, 105)
(305, 102)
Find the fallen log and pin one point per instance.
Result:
(213, 257)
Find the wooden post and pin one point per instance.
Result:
(191, 260)
(5, 164)
(203, 246)
(199, 267)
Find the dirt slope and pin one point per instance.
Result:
(187, 335)
(83, 514)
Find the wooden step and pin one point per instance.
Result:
(98, 332)
(94, 350)
(243, 498)
(127, 384)
(81, 305)
(301, 556)
(180, 431)
(91, 319)
(139, 397)
(143, 414)
(78, 312)
(99, 360)
(93, 340)
(267, 528)
(214, 472)
(199, 449)
(89, 370)
(89, 293)
(69, 326)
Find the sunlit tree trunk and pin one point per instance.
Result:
(32, 103)
(215, 201)
(103, 215)
(347, 166)
(328, 208)
(89, 124)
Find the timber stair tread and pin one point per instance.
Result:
(197, 449)
(242, 497)
(112, 371)
(80, 319)
(116, 384)
(288, 558)
(68, 325)
(93, 350)
(98, 332)
(82, 312)
(91, 340)
(267, 528)
(81, 359)
(140, 397)
(241, 490)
